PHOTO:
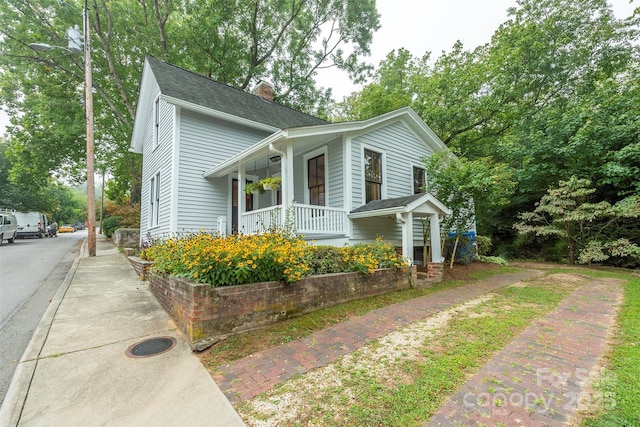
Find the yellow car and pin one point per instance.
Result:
(67, 228)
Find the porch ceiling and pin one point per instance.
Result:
(259, 156)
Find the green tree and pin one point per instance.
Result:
(470, 188)
(554, 94)
(235, 42)
(568, 213)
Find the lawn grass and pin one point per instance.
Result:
(618, 396)
(239, 346)
(462, 348)
(621, 394)
(406, 389)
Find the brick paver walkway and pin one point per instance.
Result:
(538, 378)
(259, 372)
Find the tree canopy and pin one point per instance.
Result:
(554, 94)
(236, 42)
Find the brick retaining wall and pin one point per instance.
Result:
(140, 265)
(204, 312)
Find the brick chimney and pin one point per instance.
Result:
(264, 90)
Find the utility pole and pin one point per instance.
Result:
(78, 41)
(88, 81)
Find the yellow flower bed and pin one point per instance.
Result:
(240, 259)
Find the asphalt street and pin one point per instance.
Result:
(31, 271)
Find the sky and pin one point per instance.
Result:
(422, 26)
(434, 26)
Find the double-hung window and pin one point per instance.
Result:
(372, 175)
(315, 178)
(154, 200)
(419, 181)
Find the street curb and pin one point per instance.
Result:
(16, 396)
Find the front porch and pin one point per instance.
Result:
(307, 220)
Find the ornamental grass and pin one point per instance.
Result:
(239, 259)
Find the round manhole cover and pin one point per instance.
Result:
(151, 347)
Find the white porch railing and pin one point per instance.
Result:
(261, 220)
(308, 219)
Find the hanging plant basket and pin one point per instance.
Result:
(254, 188)
(271, 183)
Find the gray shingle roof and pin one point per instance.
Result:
(187, 86)
(396, 202)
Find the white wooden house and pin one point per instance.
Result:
(342, 183)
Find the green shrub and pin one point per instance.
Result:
(484, 244)
(326, 260)
(369, 256)
(491, 259)
(233, 260)
(110, 224)
(239, 259)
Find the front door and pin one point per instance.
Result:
(234, 204)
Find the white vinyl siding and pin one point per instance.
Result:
(402, 150)
(368, 229)
(157, 160)
(335, 176)
(204, 143)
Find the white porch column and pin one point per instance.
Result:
(407, 238)
(242, 201)
(436, 254)
(407, 234)
(287, 180)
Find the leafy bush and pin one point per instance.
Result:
(232, 260)
(484, 244)
(326, 260)
(491, 259)
(110, 224)
(240, 259)
(130, 214)
(366, 257)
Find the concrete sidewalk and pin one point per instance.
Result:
(75, 370)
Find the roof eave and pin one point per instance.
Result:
(377, 212)
(429, 198)
(137, 134)
(231, 165)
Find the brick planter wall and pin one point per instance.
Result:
(435, 272)
(205, 313)
(141, 266)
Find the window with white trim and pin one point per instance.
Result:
(315, 180)
(419, 181)
(372, 175)
(154, 200)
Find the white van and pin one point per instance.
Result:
(8, 227)
(31, 224)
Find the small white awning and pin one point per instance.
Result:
(405, 209)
